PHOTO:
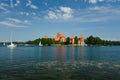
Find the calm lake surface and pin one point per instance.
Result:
(53, 63)
(62, 53)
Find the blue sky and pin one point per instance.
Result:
(31, 19)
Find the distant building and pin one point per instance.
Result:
(81, 40)
(46, 37)
(72, 39)
(60, 37)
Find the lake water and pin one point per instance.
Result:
(62, 53)
(50, 63)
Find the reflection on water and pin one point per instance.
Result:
(93, 53)
(45, 54)
(11, 55)
(82, 53)
(37, 54)
(61, 53)
(75, 53)
(72, 52)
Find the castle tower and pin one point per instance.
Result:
(72, 40)
(46, 37)
(60, 37)
(81, 40)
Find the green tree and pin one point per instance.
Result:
(67, 41)
(36, 41)
(47, 41)
(76, 40)
(97, 41)
(29, 42)
(90, 40)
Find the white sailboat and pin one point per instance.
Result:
(4, 44)
(11, 44)
(40, 43)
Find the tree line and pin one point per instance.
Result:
(91, 40)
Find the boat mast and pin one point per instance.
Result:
(11, 37)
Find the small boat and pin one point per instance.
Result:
(4, 44)
(11, 45)
(40, 43)
(26, 44)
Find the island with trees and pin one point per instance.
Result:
(60, 39)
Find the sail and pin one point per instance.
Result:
(4, 43)
(11, 44)
(40, 43)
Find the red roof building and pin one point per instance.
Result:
(81, 40)
(72, 39)
(60, 37)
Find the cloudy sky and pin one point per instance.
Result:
(31, 19)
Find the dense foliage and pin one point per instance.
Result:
(91, 40)
(44, 41)
(76, 40)
(67, 41)
(47, 41)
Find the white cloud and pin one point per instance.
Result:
(26, 22)
(93, 1)
(29, 4)
(101, 0)
(105, 10)
(11, 4)
(18, 21)
(12, 22)
(24, 13)
(6, 23)
(33, 6)
(4, 5)
(51, 15)
(4, 9)
(67, 16)
(112, 0)
(17, 2)
(96, 14)
(33, 13)
(90, 14)
(66, 10)
(46, 4)
(97, 8)
(28, 14)
(61, 13)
